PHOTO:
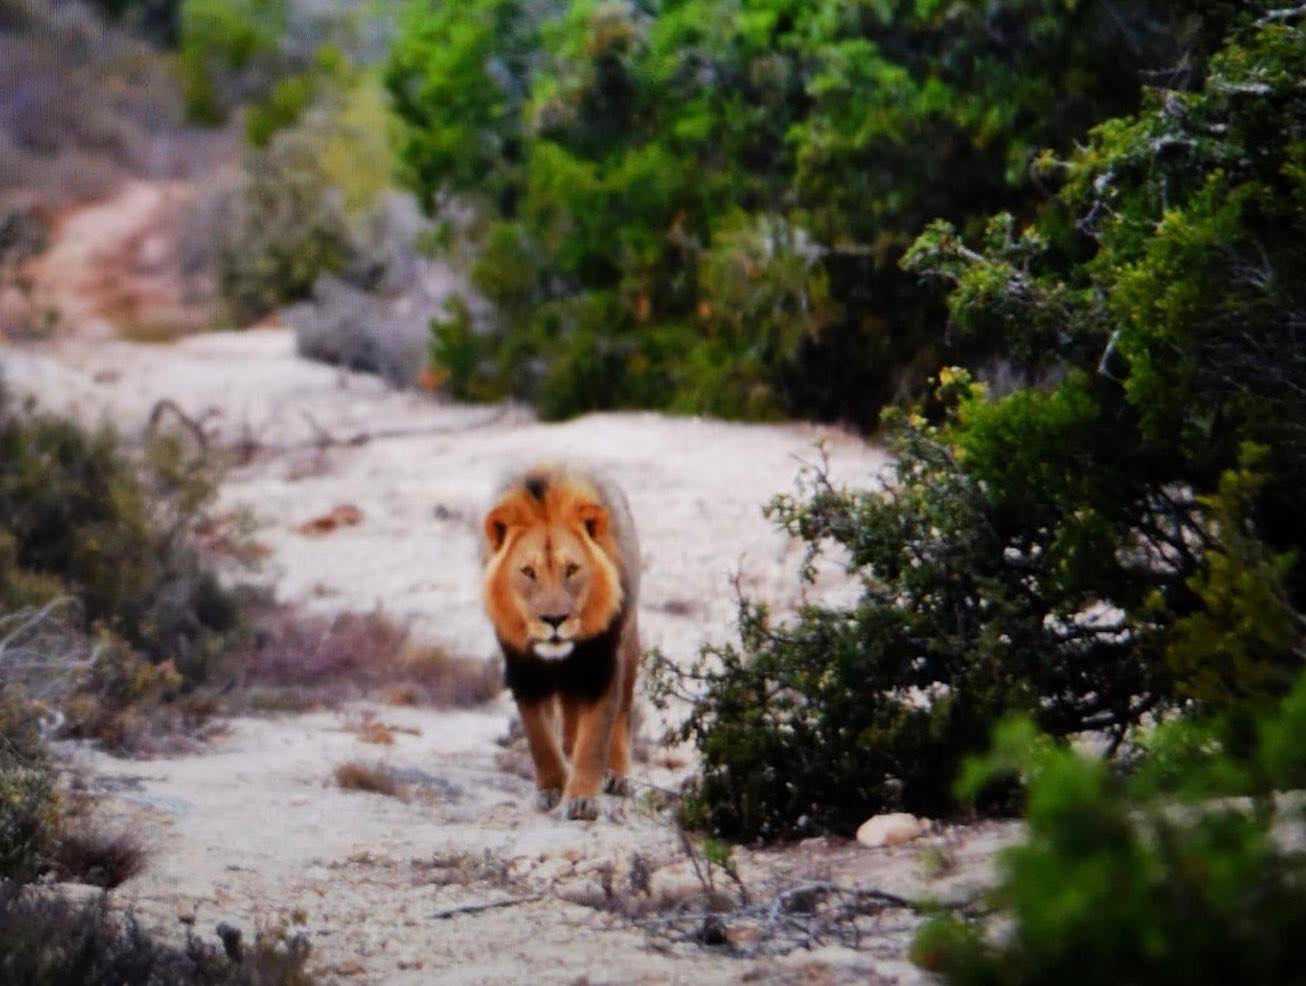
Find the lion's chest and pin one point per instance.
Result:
(585, 673)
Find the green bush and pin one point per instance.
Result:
(329, 74)
(701, 205)
(1145, 879)
(963, 617)
(1181, 304)
(1118, 542)
(157, 20)
(81, 521)
(283, 228)
(29, 810)
(228, 51)
(284, 105)
(305, 206)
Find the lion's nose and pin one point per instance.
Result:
(554, 621)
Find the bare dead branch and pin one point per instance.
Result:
(250, 445)
(1282, 14)
(452, 912)
(168, 406)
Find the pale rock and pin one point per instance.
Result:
(891, 830)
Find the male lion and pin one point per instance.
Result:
(561, 585)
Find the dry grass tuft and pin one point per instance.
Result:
(353, 655)
(86, 855)
(370, 729)
(451, 682)
(344, 515)
(403, 694)
(376, 732)
(354, 775)
(465, 869)
(633, 896)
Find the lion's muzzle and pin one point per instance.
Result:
(553, 650)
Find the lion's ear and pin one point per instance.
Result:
(595, 519)
(497, 522)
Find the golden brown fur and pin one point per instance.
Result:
(561, 586)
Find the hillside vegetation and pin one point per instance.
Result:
(701, 206)
(1051, 252)
(1119, 544)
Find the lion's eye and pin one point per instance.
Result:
(571, 569)
(528, 572)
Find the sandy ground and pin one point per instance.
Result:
(696, 487)
(254, 831)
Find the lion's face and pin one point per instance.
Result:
(549, 583)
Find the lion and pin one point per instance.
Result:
(561, 584)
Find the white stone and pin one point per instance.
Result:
(891, 830)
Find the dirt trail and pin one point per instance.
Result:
(254, 831)
(116, 265)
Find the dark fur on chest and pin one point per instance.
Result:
(585, 673)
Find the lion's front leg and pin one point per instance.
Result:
(539, 718)
(570, 724)
(616, 780)
(589, 759)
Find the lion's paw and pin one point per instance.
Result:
(582, 809)
(618, 785)
(547, 798)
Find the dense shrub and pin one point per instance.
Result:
(282, 228)
(29, 810)
(228, 52)
(100, 585)
(346, 325)
(270, 57)
(304, 207)
(158, 20)
(700, 205)
(1120, 541)
(82, 519)
(375, 315)
(47, 941)
(1146, 879)
(42, 834)
(282, 107)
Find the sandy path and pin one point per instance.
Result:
(254, 832)
(696, 486)
(116, 265)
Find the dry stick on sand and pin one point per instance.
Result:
(452, 912)
(168, 405)
(249, 445)
(325, 439)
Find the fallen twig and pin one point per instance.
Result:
(324, 439)
(1284, 14)
(193, 426)
(452, 912)
(248, 444)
